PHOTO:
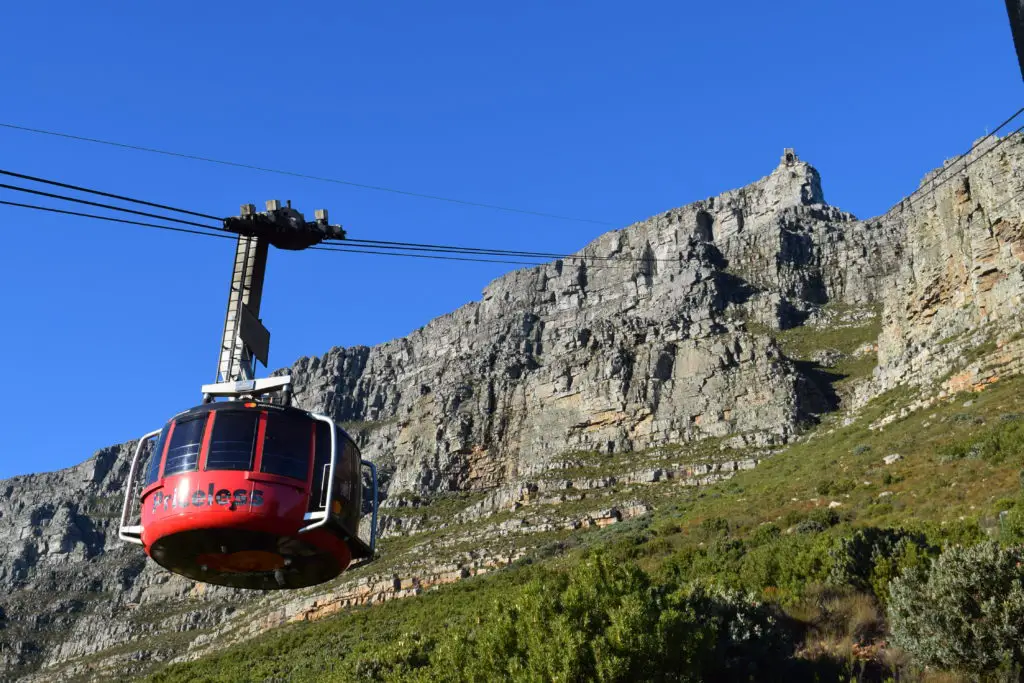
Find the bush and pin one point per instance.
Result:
(818, 520)
(765, 533)
(714, 527)
(787, 564)
(872, 557)
(965, 613)
(606, 622)
(830, 487)
(1011, 527)
(1005, 440)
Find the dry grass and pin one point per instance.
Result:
(838, 620)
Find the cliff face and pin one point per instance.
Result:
(624, 350)
(653, 353)
(961, 279)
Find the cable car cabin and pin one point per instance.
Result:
(251, 495)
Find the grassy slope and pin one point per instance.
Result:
(946, 483)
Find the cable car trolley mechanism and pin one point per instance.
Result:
(250, 491)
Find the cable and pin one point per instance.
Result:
(224, 235)
(977, 158)
(973, 147)
(116, 220)
(107, 206)
(305, 176)
(373, 244)
(230, 236)
(107, 194)
(977, 144)
(969, 164)
(415, 246)
(428, 256)
(1015, 196)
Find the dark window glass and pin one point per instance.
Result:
(286, 446)
(348, 469)
(321, 463)
(347, 484)
(231, 445)
(183, 451)
(153, 468)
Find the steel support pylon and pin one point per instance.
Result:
(236, 358)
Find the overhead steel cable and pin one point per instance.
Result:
(416, 246)
(306, 176)
(123, 198)
(1000, 206)
(372, 244)
(427, 256)
(224, 235)
(932, 186)
(971, 163)
(112, 207)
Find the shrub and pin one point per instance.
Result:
(1005, 440)
(765, 533)
(1011, 527)
(872, 557)
(606, 622)
(818, 520)
(965, 613)
(830, 487)
(713, 527)
(789, 563)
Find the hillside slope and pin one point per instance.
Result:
(572, 395)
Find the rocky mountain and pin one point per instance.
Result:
(656, 357)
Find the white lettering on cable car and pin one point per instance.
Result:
(183, 498)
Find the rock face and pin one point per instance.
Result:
(625, 348)
(961, 279)
(659, 335)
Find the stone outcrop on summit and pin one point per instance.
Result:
(658, 334)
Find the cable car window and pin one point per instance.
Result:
(321, 464)
(286, 446)
(183, 451)
(153, 468)
(348, 470)
(231, 445)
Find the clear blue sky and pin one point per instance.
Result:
(607, 110)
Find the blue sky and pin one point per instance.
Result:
(604, 110)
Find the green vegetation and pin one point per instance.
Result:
(822, 563)
(965, 612)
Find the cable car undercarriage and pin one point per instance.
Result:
(250, 491)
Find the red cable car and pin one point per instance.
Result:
(251, 494)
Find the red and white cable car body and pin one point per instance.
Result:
(250, 494)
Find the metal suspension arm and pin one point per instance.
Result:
(244, 335)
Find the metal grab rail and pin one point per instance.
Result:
(373, 522)
(126, 532)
